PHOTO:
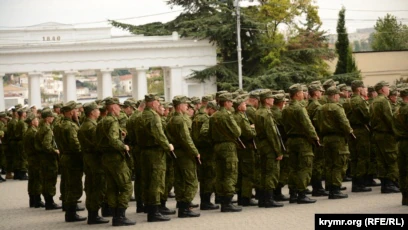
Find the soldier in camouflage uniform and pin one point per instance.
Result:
(48, 151)
(3, 143)
(20, 157)
(71, 161)
(359, 117)
(34, 169)
(315, 92)
(335, 128)
(95, 182)
(326, 85)
(186, 182)
(393, 98)
(246, 158)
(109, 141)
(155, 146)
(224, 132)
(270, 150)
(401, 132)
(12, 143)
(382, 125)
(372, 167)
(301, 134)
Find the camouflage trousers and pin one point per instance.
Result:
(387, 156)
(153, 174)
(49, 172)
(34, 186)
(246, 163)
(20, 158)
(72, 169)
(336, 154)
(270, 167)
(9, 153)
(226, 168)
(359, 152)
(318, 170)
(185, 175)
(169, 180)
(284, 171)
(207, 171)
(95, 181)
(138, 164)
(119, 187)
(300, 161)
(402, 164)
(372, 164)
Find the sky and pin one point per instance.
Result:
(94, 13)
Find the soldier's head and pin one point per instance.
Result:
(253, 99)
(296, 92)
(358, 88)
(371, 92)
(404, 94)
(212, 107)
(305, 92)
(47, 115)
(196, 102)
(3, 116)
(343, 90)
(113, 105)
(239, 104)
(266, 97)
(152, 101)
(32, 120)
(129, 106)
(57, 108)
(92, 110)
(166, 106)
(333, 94)
(382, 87)
(329, 83)
(70, 109)
(280, 100)
(225, 100)
(180, 103)
(22, 113)
(393, 96)
(315, 91)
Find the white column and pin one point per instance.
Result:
(99, 85)
(106, 87)
(176, 82)
(69, 82)
(141, 83)
(2, 101)
(34, 92)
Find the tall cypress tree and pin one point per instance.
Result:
(342, 44)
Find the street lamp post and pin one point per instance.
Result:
(239, 43)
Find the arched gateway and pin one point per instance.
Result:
(51, 47)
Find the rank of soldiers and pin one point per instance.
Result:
(248, 144)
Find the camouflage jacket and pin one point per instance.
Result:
(109, 134)
(179, 134)
(223, 127)
(401, 121)
(265, 127)
(333, 120)
(381, 115)
(44, 139)
(29, 141)
(151, 133)
(86, 135)
(69, 142)
(297, 121)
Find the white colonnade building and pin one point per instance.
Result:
(55, 47)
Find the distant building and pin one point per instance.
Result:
(125, 83)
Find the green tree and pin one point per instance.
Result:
(389, 34)
(342, 44)
(357, 46)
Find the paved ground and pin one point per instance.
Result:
(15, 214)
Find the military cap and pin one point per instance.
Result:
(241, 91)
(332, 90)
(30, 118)
(393, 92)
(254, 95)
(342, 87)
(70, 105)
(243, 96)
(18, 106)
(264, 94)
(357, 83)
(206, 98)
(225, 97)
(177, 100)
(330, 83)
(380, 84)
(213, 105)
(370, 89)
(20, 110)
(112, 101)
(234, 95)
(98, 101)
(195, 100)
(88, 107)
(315, 87)
(3, 114)
(151, 97)
(57, 105)
(129, 103)
(47, 113)
(165, 105)
(315, 83)
(281, 91)
(217, 94)
(295, 88)
(161, 100)
(304, 88)
(237, 102)
(404, 92)
(280, 97)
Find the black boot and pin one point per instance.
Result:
(336, 194)
(258, 194)
(71, 215)
(23, 176)
(227, 206)
(358, 185)
(16, 175)
(206, 202)
(164, 210)
(278, 196)
(154, 215)
(404, 198)
(38, 202)
(239, 196)
(370, 182)
(32, 200)
(218, 199)
(270, 201)
(184, 210)
(106, 211)
(318, 189)
(303, 199)
(293, 196)
(49, 203)
(192, 205)
(387, 186)
(248, 202)
(120, 218)
(261, 198)
(94, 218)
(139, 207)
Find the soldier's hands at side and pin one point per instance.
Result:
(126, 147)
(171, 147)
(57, 151)
(253, 126)
(279, 158)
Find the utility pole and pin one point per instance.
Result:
(239, 43)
